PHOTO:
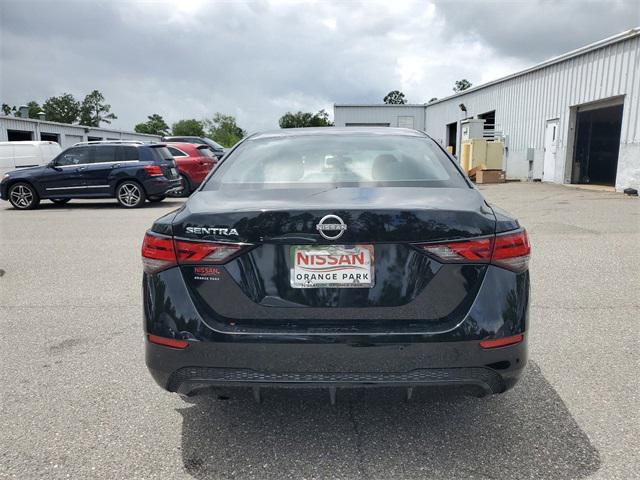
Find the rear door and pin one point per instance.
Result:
(66, 176)
(105, 159)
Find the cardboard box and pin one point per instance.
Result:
(489, 176)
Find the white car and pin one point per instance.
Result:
(16, 155)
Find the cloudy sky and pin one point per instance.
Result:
(259, 59)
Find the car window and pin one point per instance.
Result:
(205, 151)
(177, 153)
(130, 153)
(312, 160)
(74, 156)
(161, 153)
(105, 153)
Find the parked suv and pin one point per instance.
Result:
(217, 149)
(194, 162)
(129, 171)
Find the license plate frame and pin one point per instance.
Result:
(354, 266)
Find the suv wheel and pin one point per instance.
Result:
(130, 194)
(23, 196)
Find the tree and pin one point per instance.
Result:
(305, 119)
(395, 97)
(155, 125)
(94, 111)
(8, 109)
(63, 109)
(34, 109)
(461, 85)
(223, 129)
(189, 127)
(433, 99)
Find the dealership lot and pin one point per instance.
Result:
(77, 401)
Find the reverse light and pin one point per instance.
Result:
(153, 170)
(510, 250)
(161, 252)
(168, 342)
(502, 342)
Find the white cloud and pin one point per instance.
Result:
(258, 60)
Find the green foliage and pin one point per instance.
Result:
(34, 109)
(461, 85)
(305, 119)
(223, 129)
(155, 125)
(188, 127)
(63, 109)
(94, 111)
(395, 97)
(8, 109)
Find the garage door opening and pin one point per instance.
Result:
(597, 145)
(19, 135)
(49, 137)
(452, 137)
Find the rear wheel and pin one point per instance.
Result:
(60, 201)
(23, 196)
(157, 198)
(130, 194)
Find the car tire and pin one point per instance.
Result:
(157, 198)
(23, 196)
(186, 188)
(130, 194)
(60, 201)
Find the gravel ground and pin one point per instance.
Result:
(77, 401)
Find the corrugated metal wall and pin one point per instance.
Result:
(383, 115)
(68, 134)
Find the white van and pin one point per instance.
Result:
(14, 155)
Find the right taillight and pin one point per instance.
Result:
(510, 250)
(153, 170)
(160, 252)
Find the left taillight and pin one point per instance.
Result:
(153, 170)
(160, 252)
(509, 250)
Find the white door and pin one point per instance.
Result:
(551, 135)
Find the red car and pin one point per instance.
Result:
(194, 162)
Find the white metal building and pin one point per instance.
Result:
(571, 119)
(18, 128)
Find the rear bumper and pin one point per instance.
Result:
(360, 362)
(161, 185)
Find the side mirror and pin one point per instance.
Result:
(51, 164)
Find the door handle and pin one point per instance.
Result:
(115, 165)
(80, 169)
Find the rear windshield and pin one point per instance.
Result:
(161, 153)
(300, 161)
(205, 151)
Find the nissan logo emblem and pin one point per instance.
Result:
(331, 227)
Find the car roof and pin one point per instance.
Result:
(328, 131)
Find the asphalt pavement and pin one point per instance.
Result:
(77, 402)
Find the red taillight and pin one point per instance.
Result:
(205, 252)
(168, 342)
(160, 252)
(157, 253)
(510, 250)
(466, 251)
(501, 342)
(153, 170)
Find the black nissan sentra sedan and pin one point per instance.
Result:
(336, 258)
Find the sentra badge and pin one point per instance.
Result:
(212, 231)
